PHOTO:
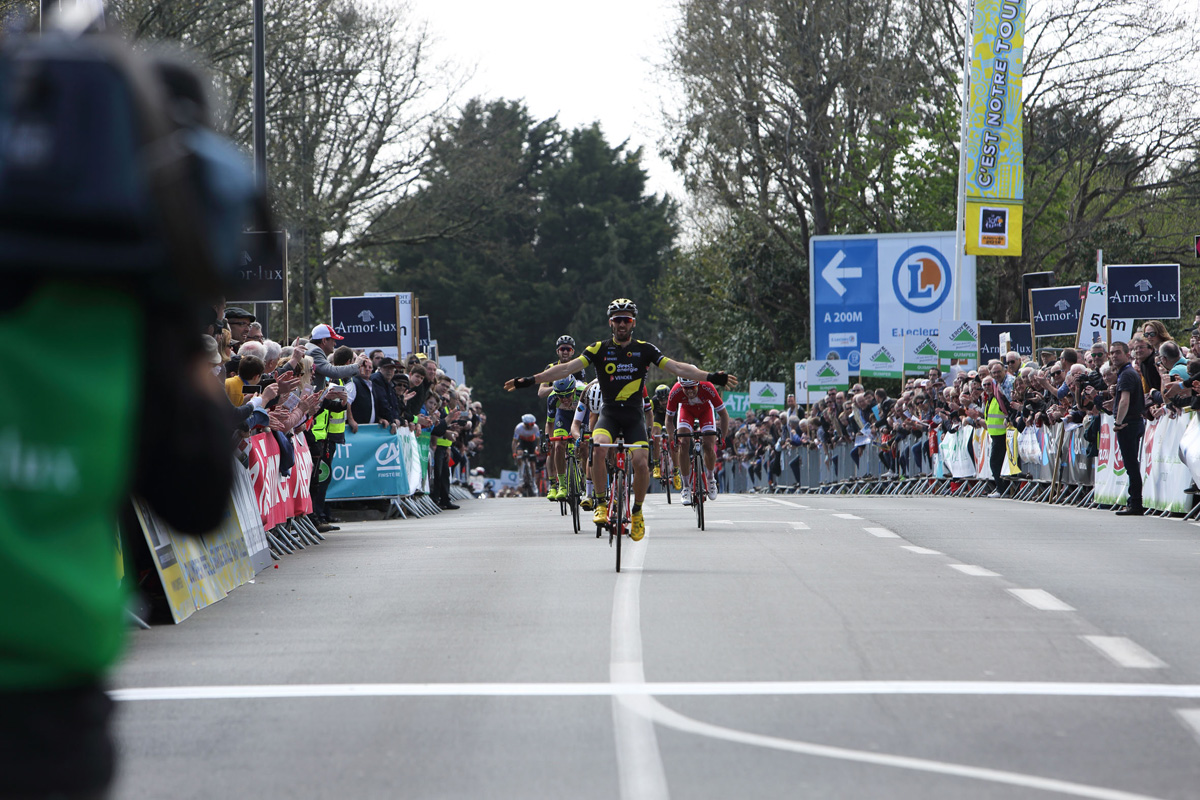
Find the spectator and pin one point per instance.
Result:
(388, 409)
(239, 320)
(250, 370)
(1127, 416)
(255, 333)
(321, 344)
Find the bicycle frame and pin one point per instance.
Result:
(620, 497)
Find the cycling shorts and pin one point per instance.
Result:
(627, 422)
(562, 424)
(529, 446)
(696, 418)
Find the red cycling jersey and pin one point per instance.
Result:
(695, 413)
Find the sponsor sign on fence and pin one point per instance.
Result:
(827, 374)
(958, 343)
(373, 462)
(920, 353)
(1094, 322)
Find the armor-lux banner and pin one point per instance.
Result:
(995, 168)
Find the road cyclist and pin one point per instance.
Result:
(691, 408)
(621, 363)
(524, 451)
(586, 415)
(556, 452)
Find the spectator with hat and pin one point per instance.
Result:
(239, 320)
(388, 409)
(321, 345)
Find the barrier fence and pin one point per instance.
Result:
(267, 513)
(1049, 464)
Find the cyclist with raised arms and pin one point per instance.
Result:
(621, 364)
(556, 455)
(690, 408)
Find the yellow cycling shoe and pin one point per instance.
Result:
(638, 529)
(600, 517)
(678, 481)
(657, 472)
(586, 504)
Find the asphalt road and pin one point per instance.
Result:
(801, 647)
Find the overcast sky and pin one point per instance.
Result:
(585, 62)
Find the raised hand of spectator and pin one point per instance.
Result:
(270, 393)
(279, 419)
(287, 383)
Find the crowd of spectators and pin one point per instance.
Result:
(317, 389)
(1062, 385)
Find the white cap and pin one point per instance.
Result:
(323, 331)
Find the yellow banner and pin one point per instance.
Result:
(995, 173)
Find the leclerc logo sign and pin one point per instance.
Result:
(1143, 291)
(921, 279)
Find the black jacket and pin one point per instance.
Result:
(387, 404)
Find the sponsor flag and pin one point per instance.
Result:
(995, 171)
(882, 360)
(1054, 311)
(826, 374)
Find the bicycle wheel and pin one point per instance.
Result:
(666, 476)
(573, 487)
(619, 519)
(699, 489)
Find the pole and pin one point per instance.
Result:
(960, 235)
(262, 311)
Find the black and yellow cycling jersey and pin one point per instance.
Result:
(621, 369)
(659, 410)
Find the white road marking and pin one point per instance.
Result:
(882, 533)
(978, 572)
(1040, 599)
(784, 502)
(800, 526)
(667, 689)
(1190, 717)
(1124, 652)
(718, 522)
(846, 516)
(640, 770)
(923, 551)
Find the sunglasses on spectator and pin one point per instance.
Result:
(625, 320)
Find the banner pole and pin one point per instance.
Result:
(960, 233)
(399, 336)
(416, 332)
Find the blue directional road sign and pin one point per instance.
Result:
(845, 297)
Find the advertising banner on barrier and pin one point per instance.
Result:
(956, 453)
(264, 476)
(301, 502)
(989, 339)
(920, 353)
(370, 463)
(1112, 484)
(196, 571)
(958, 343)
(1094, 323)
(1189, 446)
(1165, 478)
(767, 394)
(882, 359)
(1054, 311)
(249, 521)
(1143, 291)
(995, 161)
(423, 460)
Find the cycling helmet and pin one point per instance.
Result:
(594, 397)
(564, 385)
(687, 383)
(528, 419)
(622, 306)
(564, 339)
(661, 391)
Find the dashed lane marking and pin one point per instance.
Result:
(784, 502)
(846, 516)
(1124, 652)
(974, 571)
(882, 533)
(921, 551)
(1040, 599)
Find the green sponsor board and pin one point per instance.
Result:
(881, 360)
(737, 403)
(827, 374)
(767, 394)
(920, 353)
(959, 342)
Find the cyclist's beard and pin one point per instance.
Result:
(625, 338)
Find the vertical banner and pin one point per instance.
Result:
(958, 343)
(920, 353)
(995, 171)
(882, 359)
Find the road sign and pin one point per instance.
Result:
(1094, 323)
(879, 287)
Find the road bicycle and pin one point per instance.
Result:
(620, 493)
(572, 481)
(667, 470)
(526, 473)
(696, 480)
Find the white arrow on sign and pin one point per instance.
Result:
(834, 272)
